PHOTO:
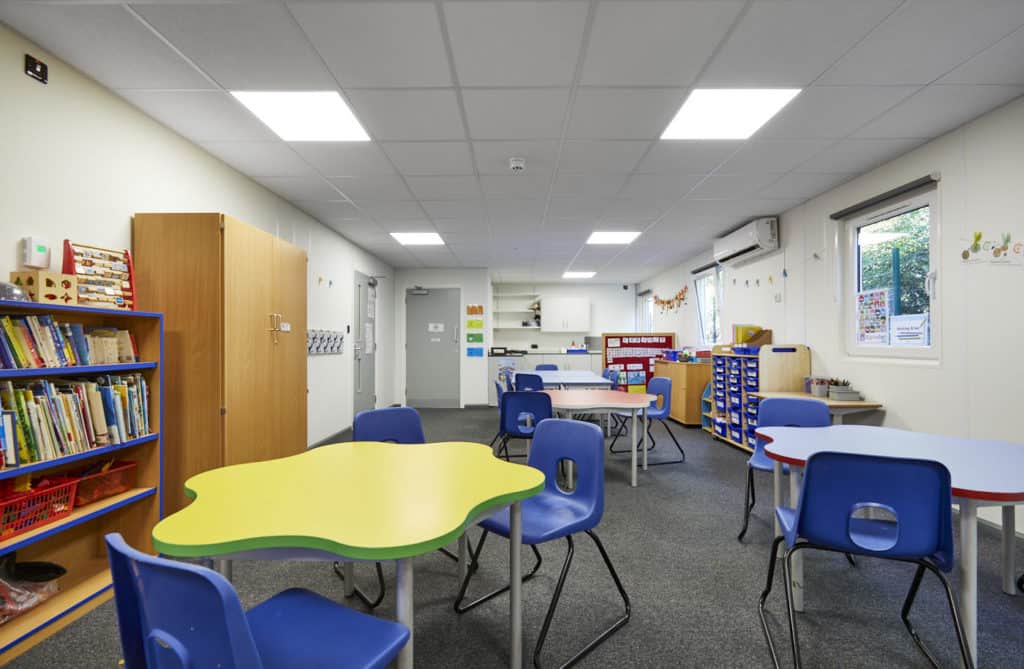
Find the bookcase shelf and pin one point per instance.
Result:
(76, 541)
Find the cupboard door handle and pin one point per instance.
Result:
(273, 327)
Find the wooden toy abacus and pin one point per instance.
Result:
(106, 277)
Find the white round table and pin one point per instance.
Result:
(579, 401)
(982, 472)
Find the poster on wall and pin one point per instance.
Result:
(993, 249)
(632, 356)
(873, 317)
(474, 330)
(910, 330)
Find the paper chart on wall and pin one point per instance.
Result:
(873, 317)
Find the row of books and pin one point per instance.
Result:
(29, 342)
(50, 418)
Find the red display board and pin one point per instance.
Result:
(632, 355)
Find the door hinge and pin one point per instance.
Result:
(223, 411)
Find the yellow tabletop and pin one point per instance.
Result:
(362, 500)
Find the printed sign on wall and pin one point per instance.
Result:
(873, 316)
(994, 250)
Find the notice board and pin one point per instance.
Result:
(632, 354)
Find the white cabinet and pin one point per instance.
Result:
(564, 314)
(577, 362)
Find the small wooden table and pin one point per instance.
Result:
(359, 500)
(578, 401)
(838, 408)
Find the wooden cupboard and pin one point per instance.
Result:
(234, 304)
(688, 382)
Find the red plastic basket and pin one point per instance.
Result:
(117, 479)
(23, 513)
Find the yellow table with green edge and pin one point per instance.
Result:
(356, 501)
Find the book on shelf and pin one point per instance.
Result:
(53, 418)
(32, 342)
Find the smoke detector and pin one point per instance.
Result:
(517, 164)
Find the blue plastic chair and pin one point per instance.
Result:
(546, 367)
(174, 615)
(526, 382)
(399, 425)
(662, 387)
(612, 376)
(508, 381)
(838, 489)
(518, 416)
(779, 412)
(555, 514)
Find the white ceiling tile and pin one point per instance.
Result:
(201, 116)
(363, 231)
(577, 208)
(260, 159)
(732, 186)
(106, 42)
(515, 43)
(939, 109)
(522, 186)
(492, 157)
(604, 186)
(445, 187)
(408, 114)
(824, 112)
(773, 155)
(515, 114)
(1001, 63)
(300, 188)
(344, 159)
(596, 157)
(430, 157)
(803, 186)
(377, 44)
(253, 46)
(396, 210)
(595, 257)
(654, 43)
(334, 211)
(687, 156)
(623, 209)
(620, 113)
(923, 40)
(789, 43)
(500, 211)
(419, 225)
(465, 229)
(665, 187)
(857, 156)
(376, 187)
(455, 209)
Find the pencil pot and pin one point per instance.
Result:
(52, 499)
(118, 478)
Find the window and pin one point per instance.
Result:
(709, 305)
(891, 284)
(645, 312)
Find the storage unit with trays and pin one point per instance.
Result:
(65, 522)
(741, 370)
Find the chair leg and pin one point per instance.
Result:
(496, 437)
(748, 503)
(682, 453)
(473, 564)
(620, 427)
(772, 559)
(360, 595)
(787, 571)
(849, 558)
(909, 602)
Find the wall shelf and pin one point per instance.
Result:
(11, 472)
(75, 370)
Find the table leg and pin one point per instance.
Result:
(608, 424)
(797, 572)
(632, 459)
(515, 576)
(404, 607)
(224, 568)
(348, 570)
(463, 551)
(1009, 537)
(777, 493)
(646, 427)
(969, 573)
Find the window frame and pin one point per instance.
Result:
(715, 272)
(877, 214)
(645, 311)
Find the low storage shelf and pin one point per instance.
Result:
(132, 505)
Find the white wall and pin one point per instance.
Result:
(684, 321)
(612, 309)
(475, 288)
(78, 161)
(973, 389)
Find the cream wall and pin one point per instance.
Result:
(612, 309)
(78, 161)
(474, 288)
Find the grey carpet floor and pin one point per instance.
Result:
(693, 587)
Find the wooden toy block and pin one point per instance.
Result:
(47, 287)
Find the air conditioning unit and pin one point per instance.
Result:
(754, 239)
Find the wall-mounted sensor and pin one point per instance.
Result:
(35, 252)
(517, 164)
(36, 69)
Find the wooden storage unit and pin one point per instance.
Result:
(76, 541)
(737, 375)
(234, 303)
(688, 382)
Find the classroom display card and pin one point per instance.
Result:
(873, 317)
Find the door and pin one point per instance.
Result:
(250, 425)
(364, 344)
(432, 347)
(290, 390)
